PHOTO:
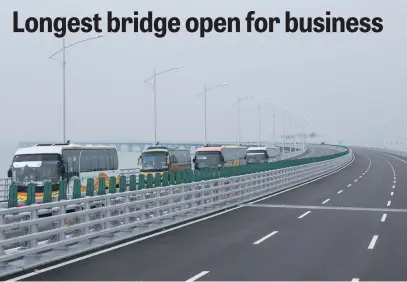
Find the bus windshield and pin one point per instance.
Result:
(36, 168)
(256, 157)
(208, 159)
(154, 161)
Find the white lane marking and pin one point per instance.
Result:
(327, 208)
(304, 214)
(360, 176)
(373, 242)
(199, 275)
(384, 217)
(326, 201)
(394, 186)
(355, 279)
(394, 181)
(364, 173)
(388, 203)
(173, 228)
(265, 238)
(356, 180)
(392, 193)
(340, 191)
(349, 185)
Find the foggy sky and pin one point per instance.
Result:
(345, 83)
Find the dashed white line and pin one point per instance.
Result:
(304, 214)
(392, 193)
(199, 275)
(394, 181)
(384, 217)
(349, 185)
(394, 186)
(373, 242)
(340, 191)
(360, 176)
(356, 180)
(265, 238)
(388, 203)
(326, 201)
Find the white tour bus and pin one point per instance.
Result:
(55, 162)
(257, 155)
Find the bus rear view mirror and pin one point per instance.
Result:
(138, 160)
(9, 173)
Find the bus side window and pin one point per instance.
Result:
(94, 160)
(113, 159)
(102, 159)
(72, 159)
(109, 161)
(85, 161)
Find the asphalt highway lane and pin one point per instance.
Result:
(269, 242)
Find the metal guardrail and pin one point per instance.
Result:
(28, 240)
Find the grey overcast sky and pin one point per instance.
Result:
(345, 83)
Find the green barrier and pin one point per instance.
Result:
(157, 180)
(133, 182)
(112, 185)
(31, 194)
(149, 180)
(165, 181)
(62, 191)
(12, 196)
(172, 178)
(178, 177)
(77, 193)
(90, 187)
(102, 186)
(141, 181)
(122, 184)
(47, 197)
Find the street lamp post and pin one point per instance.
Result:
(205, 113)
(155, 74)
(238, 116)
(258, 128)
(64, 47)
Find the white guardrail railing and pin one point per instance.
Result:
(29, 239)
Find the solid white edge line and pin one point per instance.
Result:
(199, 275)
(326, 201)
(33, 273)
(304, 214)
(373, 242)
(388, 203)
(384, 217)
(340, 191)
(265, 237)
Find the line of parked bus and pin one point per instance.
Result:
(55, 162)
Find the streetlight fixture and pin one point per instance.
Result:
(238, 115)
(204, 93)
(155, 74)
(64, 47)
